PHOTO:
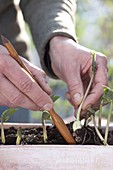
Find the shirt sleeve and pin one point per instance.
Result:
(46, 19)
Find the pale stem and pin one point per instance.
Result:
(44, 131)
(2, 133)
(108, 121)
(86, 93)
(100, 116)
(97, 131)
(18, 139)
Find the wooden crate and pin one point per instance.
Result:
(55, 157)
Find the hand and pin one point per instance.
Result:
(17, 87)
(72, 63)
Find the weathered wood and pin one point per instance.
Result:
(55, 157)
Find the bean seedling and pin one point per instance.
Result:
(77, 122)
(4, 118)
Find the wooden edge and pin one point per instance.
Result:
(23, 125)
(31, 125)
(58, 146)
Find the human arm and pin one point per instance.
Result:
(61, 57)
(46, 19)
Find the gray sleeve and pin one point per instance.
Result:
(48, 18)
(11, 26)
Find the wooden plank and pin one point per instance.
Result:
(23, 125)
(56, 157)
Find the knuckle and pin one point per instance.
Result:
(25, 85)
(102, 60)
(16, 100)
(73, 84)
(105, 60)
(39, 100)
(42, 73)
(42, 81)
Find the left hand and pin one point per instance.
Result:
(72, 63)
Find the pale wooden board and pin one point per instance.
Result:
(23, 125)
(56, 157)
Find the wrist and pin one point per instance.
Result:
(58, 38)
(58, 41)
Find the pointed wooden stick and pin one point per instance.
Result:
(57, 120)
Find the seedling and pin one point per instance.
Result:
(92, 114)
(55, 98)
(100, 115)
(108, 98)
(4, 118)
(46, 116)
(19, 136)
(77, 122)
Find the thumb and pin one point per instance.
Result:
(75, 87)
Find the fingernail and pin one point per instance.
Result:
(47, 106)
(77, 98)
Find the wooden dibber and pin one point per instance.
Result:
(57, 120)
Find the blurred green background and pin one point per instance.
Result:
(94, 29)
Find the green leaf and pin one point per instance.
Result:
(55, 98)
(46, 115)
(107, 95)
(7, 113)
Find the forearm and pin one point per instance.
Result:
(48, 19)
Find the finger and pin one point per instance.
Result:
(69, 98)
(39, 75)
(23, 81)
(41, 79)
(100, 79)
(74, 82)
(3, 50)
(75, 111)
(10, 96)
(3, 100)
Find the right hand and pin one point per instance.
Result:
(18, 88)
(72, 63)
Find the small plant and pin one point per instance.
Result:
(92, 115)
(19, 136)
(107, 98)
(100, 115)
(4, 118)
(46, 116)
(77, 122)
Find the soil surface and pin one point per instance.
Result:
(34, 136)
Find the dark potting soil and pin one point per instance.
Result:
(34, 136)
